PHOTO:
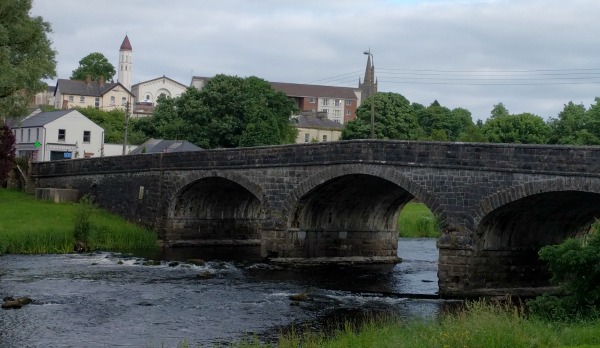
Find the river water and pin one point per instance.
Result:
(113, 300)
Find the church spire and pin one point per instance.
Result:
(125, 64)
(369, 78)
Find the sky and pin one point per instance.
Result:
(531, 55)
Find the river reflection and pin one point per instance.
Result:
(109, 300)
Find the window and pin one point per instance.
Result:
(123, 101)
(338, 102)
(97, 103)
(348, 112)
(82, 99)
(306, 137)
(147, 96)
(337, 113)
(325, 101)
(338, 121)
(112, 101)
(325, 111)
(62, 134)
(311, 100)
(86, 136)
(348, 101)
(324, 137)
(21, 137)
(37, 134)
(71, 99)
(29, 135)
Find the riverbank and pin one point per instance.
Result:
(417, 221)
(479, 324)
(30, 226)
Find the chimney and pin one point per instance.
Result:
(88, 80)
(102, 80)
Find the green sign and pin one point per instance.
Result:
(37, 144)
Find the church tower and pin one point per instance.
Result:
(369, 79)
(125, 51)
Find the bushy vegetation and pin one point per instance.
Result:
(28, 226)
(417, 221)
(575, 266)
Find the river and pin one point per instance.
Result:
(113, 300)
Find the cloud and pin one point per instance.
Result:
(520, 42)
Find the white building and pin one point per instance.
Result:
(147, 93)
(57, 135)
(125, 63)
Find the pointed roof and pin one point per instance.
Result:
(126, 45)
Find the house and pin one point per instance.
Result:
(161, 145)
(57, 135)
(338, 103)
(146, 94)
(316, 127)
(45, 97)
(99, 94)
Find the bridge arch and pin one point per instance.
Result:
(351, 211)
(215, 208)
(514, 223)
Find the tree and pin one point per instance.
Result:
(573, 126)
(394, 119)
(113, 122)
(25, 56)
(441, 123)
(228, 112)
(499, 110)
(94, 65)
(7, 153)
(523, 128)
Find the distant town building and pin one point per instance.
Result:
(316, 127)
(125, 63)
(369, 79)
(44, 97)
(57, 135)
(147, 93)
(338, 103)
(162, 145)
(99, 94)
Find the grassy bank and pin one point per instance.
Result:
(417, 221)
(478, 325)
(29, 226)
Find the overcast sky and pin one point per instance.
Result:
(532, 55)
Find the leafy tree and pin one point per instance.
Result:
(472, 134)
(441, 123)
(95, 65)
(228, 112)
(499, 110)
(25, 56)
(573, 127)
(575, 266)
(523, 128)
(7, 153)
(113, 122)
(394, 119)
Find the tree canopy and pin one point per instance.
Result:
(229, 111)
(523, 128)
(394, 119)
(7, 152)
(113, 122)
(25, 56)
(94, 65)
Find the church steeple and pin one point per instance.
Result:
(125, 64)
(369, 78)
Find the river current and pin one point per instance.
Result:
(114, 300)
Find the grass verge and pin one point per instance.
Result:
(30, 226)
(417, 221)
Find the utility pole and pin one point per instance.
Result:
(372, 92)
(126, 126)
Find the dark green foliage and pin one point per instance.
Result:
(83, 224)
(573, 126)
(229, 111)
(7, 153)
(395, 118)
(25, 56)
(113, 122)
(575, 266)
(95, 65)
(519, 129)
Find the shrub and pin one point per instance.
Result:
(83, 214)
(575, 266)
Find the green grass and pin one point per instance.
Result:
(417, 221)
(29, 226)
(478, 325)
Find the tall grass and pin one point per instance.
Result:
(29, 226)
(480, 324)
(417, 221)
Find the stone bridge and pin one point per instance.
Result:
(497, 204)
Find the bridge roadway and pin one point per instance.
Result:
(497, 204)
